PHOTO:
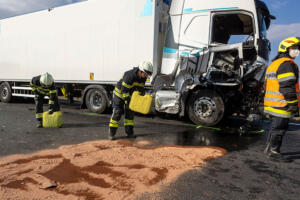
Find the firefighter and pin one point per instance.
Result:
(282, 98)
(133, 79)
(43, 85)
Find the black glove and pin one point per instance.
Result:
(292, 107)
(141, 90)
(297, 113)
(50, 112)
(142, 93)
(127, 100)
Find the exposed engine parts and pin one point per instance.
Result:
(226, 63)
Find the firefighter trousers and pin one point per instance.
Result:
(39, 102)
(120, 108)
(278, 128)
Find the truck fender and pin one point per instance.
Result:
(185, 98)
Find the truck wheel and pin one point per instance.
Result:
(96, 100)
(205, 107)
(5, 92)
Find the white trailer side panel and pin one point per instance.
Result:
(101, 37)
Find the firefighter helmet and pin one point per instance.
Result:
(46, 79)
(288, 42)
(146, 67)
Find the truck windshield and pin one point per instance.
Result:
(264, 18)
(262, 25)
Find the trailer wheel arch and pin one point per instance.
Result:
(89, 90)
(5, 92)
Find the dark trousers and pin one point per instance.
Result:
(120, 108)
(278, 128)
(39, 102)
(70, 93)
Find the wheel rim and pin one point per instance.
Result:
(96, 100)
(4, 92)
(204, 107)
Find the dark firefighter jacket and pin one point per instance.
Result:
(38, 89)
(128, 83)
(282, 78)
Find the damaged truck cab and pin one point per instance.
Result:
(214, 59)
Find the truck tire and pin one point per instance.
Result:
(205, 107)
(5, 92)
(96, 100)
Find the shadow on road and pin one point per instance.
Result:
(292, 155)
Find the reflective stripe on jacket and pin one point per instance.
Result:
(274, 101)
(128, 83)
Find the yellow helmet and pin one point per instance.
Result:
(288, 42)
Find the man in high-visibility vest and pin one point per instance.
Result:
(133, 79)
(282, 97)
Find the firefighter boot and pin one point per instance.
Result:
(39, 124)
(274, 151)
(129, 132)
(112, 133)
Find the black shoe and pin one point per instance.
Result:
(277, 157)
(39, 125)
(131, 136)
(110, 137)
(111, 133)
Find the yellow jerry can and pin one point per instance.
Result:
(52, 121)
(140, 104)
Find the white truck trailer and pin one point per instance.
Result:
(209, 56)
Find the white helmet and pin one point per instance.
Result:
(46, 79)
(146, 67)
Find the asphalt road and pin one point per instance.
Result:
(244, 173)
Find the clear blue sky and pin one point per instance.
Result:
(287, 13)
(287, 22)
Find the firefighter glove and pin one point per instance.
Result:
(298, 113)
(142, 93)
(292, 107)
(126, 100)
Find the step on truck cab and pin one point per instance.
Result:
(209, 57)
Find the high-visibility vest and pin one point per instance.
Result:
(274, 99)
